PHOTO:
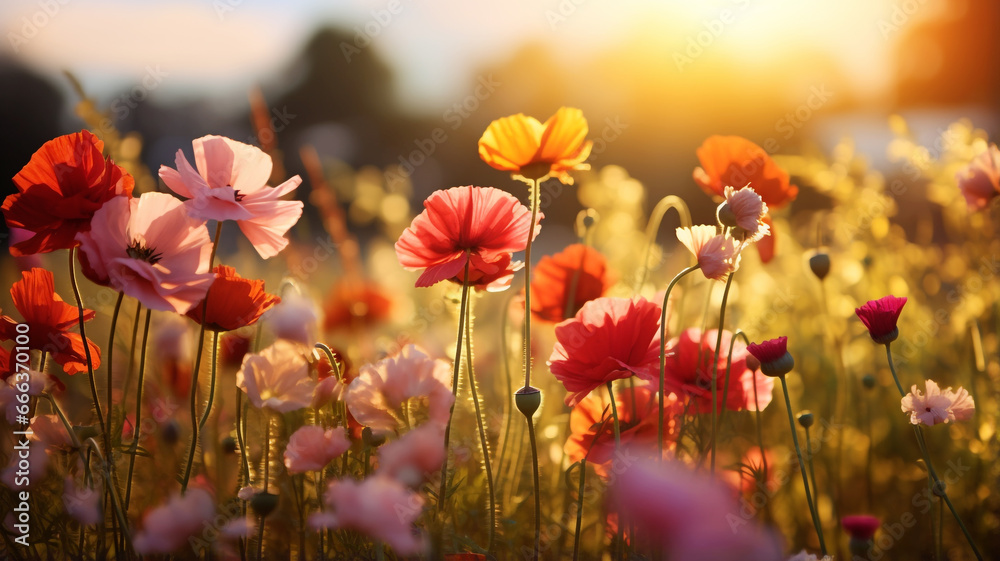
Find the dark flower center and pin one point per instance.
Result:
(139, 251)
(238, 196)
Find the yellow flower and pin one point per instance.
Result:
(532, 151)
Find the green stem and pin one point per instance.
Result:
(802, 467)
(463, 310)
(86, 349)
(509, 406)
(715, 369)
(653, 226)
(618, 448)
(527, 286)
(115, 499)
(211, 383)
(484, 443)
(579, 508)
(109, 361)
(812, 466)
(930, 467)
(538, 499)
(663, 352)
(138, 412)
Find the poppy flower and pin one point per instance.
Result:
(233, 301)
(294, 318)
(49, 319)
(66, 181)
(168, 527)
(937, 406)
(150, 249)
(773, 355)
(609, 339)
(377, 395)
(860, 526)
(880, 317)
(312, 447)
(744, 211)
(577, 267)
(687, 377)
(980, 180)
(351, 304)
(734, 160)
(532, 150)
(231, 184)
(479, 225)
(414, 457)
(377, 506)
(277, 378)
(592, 430)
(717, 255)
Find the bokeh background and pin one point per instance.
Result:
(383, 82)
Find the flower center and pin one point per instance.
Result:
(139, 251)
(237, 196)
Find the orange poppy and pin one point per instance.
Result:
(532, 150)
(553, 278)
(735, 161)
(48, 319)
(233, 301)
(355, 304)
(66, 181)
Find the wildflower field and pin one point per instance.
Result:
(218, 358)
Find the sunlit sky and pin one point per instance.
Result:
(220, 48)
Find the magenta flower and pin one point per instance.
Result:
(860, 527)
(880, 317)
(378, 506)
(773, 356)
(151, 249)
(717, 255)
(231, 184)
(311, 448)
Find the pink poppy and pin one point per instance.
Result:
(962, 406)
(717, 255)
(295, 318)
(486, 224)
(609, 339)
(231, 184)
(50, 430)
(311, 448)
(937, 406)
(277, 378)
(376, 396)
(83, 503)
(378, 506)
(415, 456)
(686, 376)
(860, 526)
(151, 249)
(980, 180)
(880, 317)
(167, 528)
(688, 515)
(15, 477)
(745, 210)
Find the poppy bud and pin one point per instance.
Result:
(170, 432)
(264, 503)
(726, 215)
(527, 400)
(819, 263)
(229, 445)
(370, 439)
(752, 363)
(805, 419)
(868, 381)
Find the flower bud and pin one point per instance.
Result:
(264, 503)
(819, 264)
(527, 400)
(370, 439)
(726, 215)
(868, 381)
(805, 419)
(229, 445)
(170, 432)
(778, 368)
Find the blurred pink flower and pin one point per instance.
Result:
(83, 503)
(50, 430)
(231, 184)
(378, 506)
(295, 318)
(746, 210)
(277, 378)
(167, 528)
(980, 180)
(376, 396)
(27, 466)
(937, 406)
(151, 249)
(311, 448)
(803, 556)
(718, 255)
(415, 456)
(689, 515)
(328, 390)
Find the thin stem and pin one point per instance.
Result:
(484, 443)
(715, 369)
(618, 448)
(509, 405)
(653, 226)
(579, 507)
(138, 412)
(930, 467)
(115, 499)
(812, 466)
(86, 348)
(463, 310)
(802, 467)
(663, 353)
(109, 361)
(760, 434)
(538, 499)
(534, 194)
(211, 383)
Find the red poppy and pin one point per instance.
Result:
(860, 526)
(686, 376)
(49, 318)
(592, 428)
(609, 339)
(481, 225)
(554, 277)
(880, 317)
(233, 346)
(233, 301)
(60, 189)
(353, 304)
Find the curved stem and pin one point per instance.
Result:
(211, 382)
(653, 226)
(86, 348)
(509, 405)
(463, 310)
(618, 448)
(663, 352)
(729, 369)
(538, 499)
(138, 413)
(109, 361)
(715, 369)
(802, 467)
(115, 499)
(483, 441)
